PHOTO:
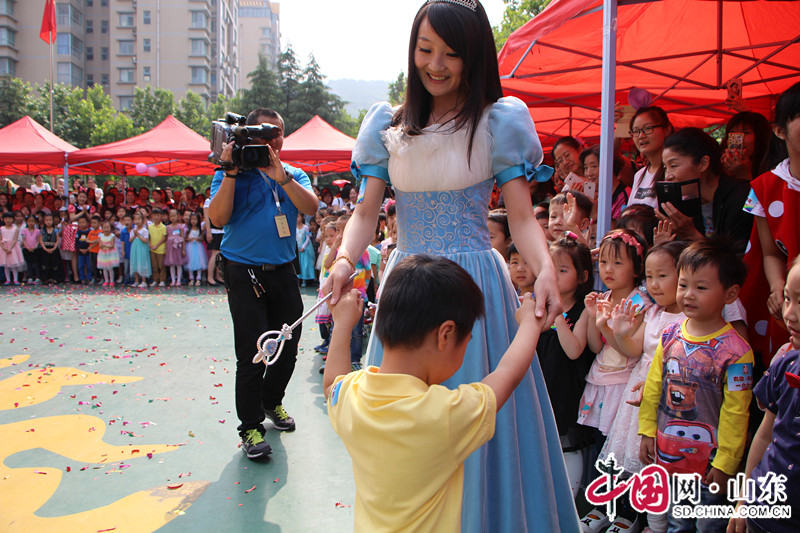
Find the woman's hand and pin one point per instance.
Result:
(682, 225)
(338, 281)
(548, 301)
(736, 162)
(663, 233)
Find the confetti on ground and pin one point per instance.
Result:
(251, 489)
(341, 505)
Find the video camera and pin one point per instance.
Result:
(246, 155)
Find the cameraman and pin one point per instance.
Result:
(258, 208)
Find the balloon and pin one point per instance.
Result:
(141, 168)
(152, 172)
(639, 98)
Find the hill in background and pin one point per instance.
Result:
(359, 94)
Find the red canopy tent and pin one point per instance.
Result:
(318, 147)
(681, 51)
(171, 148)
(26, 147)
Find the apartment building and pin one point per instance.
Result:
(122, 44)
(259, 34)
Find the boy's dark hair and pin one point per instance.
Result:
(157, 211)
(582, 202)
(581, 258)
(512, 249)
(97, 217)
(391, 210)
(718, 252)
(420, 294)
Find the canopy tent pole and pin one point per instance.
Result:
(607, 118)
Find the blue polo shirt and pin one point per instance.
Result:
(251, 235)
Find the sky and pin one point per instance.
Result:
(357, 39)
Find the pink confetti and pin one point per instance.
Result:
(251, 489)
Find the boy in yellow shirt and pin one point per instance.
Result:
(407, 435)
(158, 248)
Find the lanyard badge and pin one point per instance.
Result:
(281, 223)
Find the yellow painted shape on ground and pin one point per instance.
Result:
(38, 385)
(80, 438)
(17, 359)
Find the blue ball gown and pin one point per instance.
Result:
(517, 482)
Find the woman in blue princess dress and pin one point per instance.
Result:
(442, 151)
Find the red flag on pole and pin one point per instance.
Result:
(48, 31)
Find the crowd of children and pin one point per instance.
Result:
(657, 367)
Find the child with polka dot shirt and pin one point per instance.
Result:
(775, 202)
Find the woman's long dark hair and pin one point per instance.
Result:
(469, 34)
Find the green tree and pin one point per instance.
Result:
(263, 92)
(289, 79)
(314, 98)
(397, 89)
(517, 13)
(150, 107)
(192, 112)
(116, 128)
(16, 99)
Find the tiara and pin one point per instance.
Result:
(472, 5)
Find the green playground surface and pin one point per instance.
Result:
(117, 414)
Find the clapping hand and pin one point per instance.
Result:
(663, 233)
(624, 315)
(590, 302)
(604, 310)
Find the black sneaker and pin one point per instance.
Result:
(280, 419)
(254, 446)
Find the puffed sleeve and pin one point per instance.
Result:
(516, 150)
(370, 156)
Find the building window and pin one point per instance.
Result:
(199, 19)
(125, 103)
(146, 45)
(62, 14)
(104, 3)
(89, 53)
(126, 75)
(266, 33)
(199, 47)
(126, 20)
(104, 53)
(62, 43)
(89, 26)
(89, 3)
(69, 73)
(104, 80)
(8, 37)
(126, 48)
(199, 75)
(7, 66)
(146, 73)
(67, 14)
(89, 81)
(146, 16)
(67, 44)
(7, 7)
(103, 26)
